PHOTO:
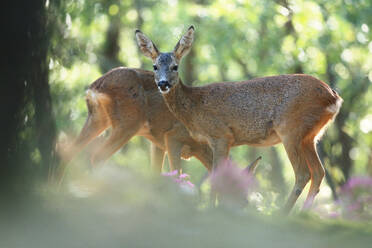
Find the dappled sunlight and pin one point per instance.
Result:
(59, 190)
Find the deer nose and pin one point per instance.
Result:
(163, 85)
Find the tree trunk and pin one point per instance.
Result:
(27, 124)
(111, 46)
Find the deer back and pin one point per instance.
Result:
(249, 111)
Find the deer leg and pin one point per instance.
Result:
(301, 172)
(220, 151)
(120, 135)
(95, 124)
(204, 154)
(174, 148)
(316, 170)
(157, 158)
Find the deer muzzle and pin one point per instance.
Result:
(164, 86)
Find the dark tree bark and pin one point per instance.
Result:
(360, 87)
(27, 123)
(111, 46)
(290, 30)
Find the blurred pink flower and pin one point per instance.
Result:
(356, 198)
(170, 174)
(232, 184)
(190, 184)
(184, 175)
(357, 181)
(181, 179)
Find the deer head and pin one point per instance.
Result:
(166, 64)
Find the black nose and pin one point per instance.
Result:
(163, 85)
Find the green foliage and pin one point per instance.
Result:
(235, 40)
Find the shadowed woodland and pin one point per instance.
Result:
(56, 49)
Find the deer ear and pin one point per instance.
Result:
(184, 44)
(250, 169)
(147, 47)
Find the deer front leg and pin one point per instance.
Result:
(204, 154)
(220, 150)
(157, 158)
(174, 148)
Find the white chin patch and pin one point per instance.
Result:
(167, 89)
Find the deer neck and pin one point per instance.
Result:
(180, 101)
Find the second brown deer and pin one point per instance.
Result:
(291, 109)
(127, 100)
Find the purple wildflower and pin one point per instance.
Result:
(232, 184)
(184, 175)
(180, 179)
(171, 173)
(190, 184)
(356, 198)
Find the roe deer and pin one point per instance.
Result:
(291, 109)
(128, 100)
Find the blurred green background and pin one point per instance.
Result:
(235, 40)
(57, 48)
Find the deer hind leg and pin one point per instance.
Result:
(96, 122)
(120, 135)
(312, 159)
(316, 170)
(301, 171)
(93, 127)
(157, 158)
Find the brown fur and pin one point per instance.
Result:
(292, 109)
(128, 101)
(261, 112)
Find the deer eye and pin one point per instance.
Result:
(155, 67)
(175, 68)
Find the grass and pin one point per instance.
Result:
(119, 208)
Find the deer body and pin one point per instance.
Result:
(128, 101)
(255, 112)
(291, 109)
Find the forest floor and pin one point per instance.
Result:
(116, 208)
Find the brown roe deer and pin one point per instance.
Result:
(128, 101)
(291, 109)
